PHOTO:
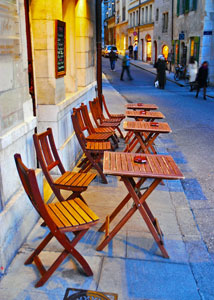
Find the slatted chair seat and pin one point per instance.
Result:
(103, 146)
(49, 159)
(93, 150)
(60, 217)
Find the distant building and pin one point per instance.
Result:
(163, 28)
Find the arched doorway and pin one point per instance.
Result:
(165, 51)
(148, 48)
(156, 50)
(142, 44)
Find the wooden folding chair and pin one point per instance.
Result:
(91, 134)
(92, 150)
(111, 116)
(92, 130)
(61, 217)
(99, 119)
(49, 159)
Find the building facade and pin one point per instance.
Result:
(33, 96)
(163, 28)
(194, 32)
(141, 27)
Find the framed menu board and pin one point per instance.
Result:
(60, 50)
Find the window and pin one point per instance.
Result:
(130, 20)
(124, 13)
(165, 22)
(184, 6)
(142, 16)
(146, 21)
(133, 18)
(150, 13)
(137, 21)
(157, 15)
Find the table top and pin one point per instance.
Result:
(141, 126)
(141, 106)
(156, 166)
(144, 114)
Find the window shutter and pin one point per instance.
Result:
(178, 6)
(186, 9)
(194, 4)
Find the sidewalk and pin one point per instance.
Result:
(132, 265)
(169, 76)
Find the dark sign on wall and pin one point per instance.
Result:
(60, 50)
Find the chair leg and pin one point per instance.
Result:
(96, 166)
(39, 248)
(120, 132)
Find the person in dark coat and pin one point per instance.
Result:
(201, 79)
(112, 58)
(160, 65)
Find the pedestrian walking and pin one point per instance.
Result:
(160, 65)
(125, 66)
(130, 51)
(202, 78)
(135, 48)
(112, 58)
(192, 70)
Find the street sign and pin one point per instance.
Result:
(134, 33)
(181, 36)
(208, 32)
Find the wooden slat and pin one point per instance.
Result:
(81, 212)
(62, 207)
(55, 218)
(58, 213)
(89, 212)
(78, 218)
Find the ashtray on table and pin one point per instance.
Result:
(155, 124)
(142, 112)
(139, 104)
(140, 159)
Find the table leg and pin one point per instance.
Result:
(154, 228)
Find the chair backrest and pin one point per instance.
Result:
(77, 128)
(105, 106)
(86, 117)
(47, 154)
(99, 108)
(29, 182)
(95, 113)
(83, 126)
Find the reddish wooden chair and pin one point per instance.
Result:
(92, 150)
(49, 159)
(98, 131)
(91, 134)
(111, 116)
(61, 217)
(99, 118)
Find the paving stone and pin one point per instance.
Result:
(136, 279)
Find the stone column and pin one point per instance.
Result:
(43, 15)
(85, 42)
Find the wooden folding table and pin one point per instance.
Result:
(144, 106)
(144, 115)
(145, 134)
(157, 167)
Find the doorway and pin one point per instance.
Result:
(148, 48)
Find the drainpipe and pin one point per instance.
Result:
(172, 19)
(99, 48)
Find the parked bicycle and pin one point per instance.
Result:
(181, 73)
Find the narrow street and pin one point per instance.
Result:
(191, 142)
